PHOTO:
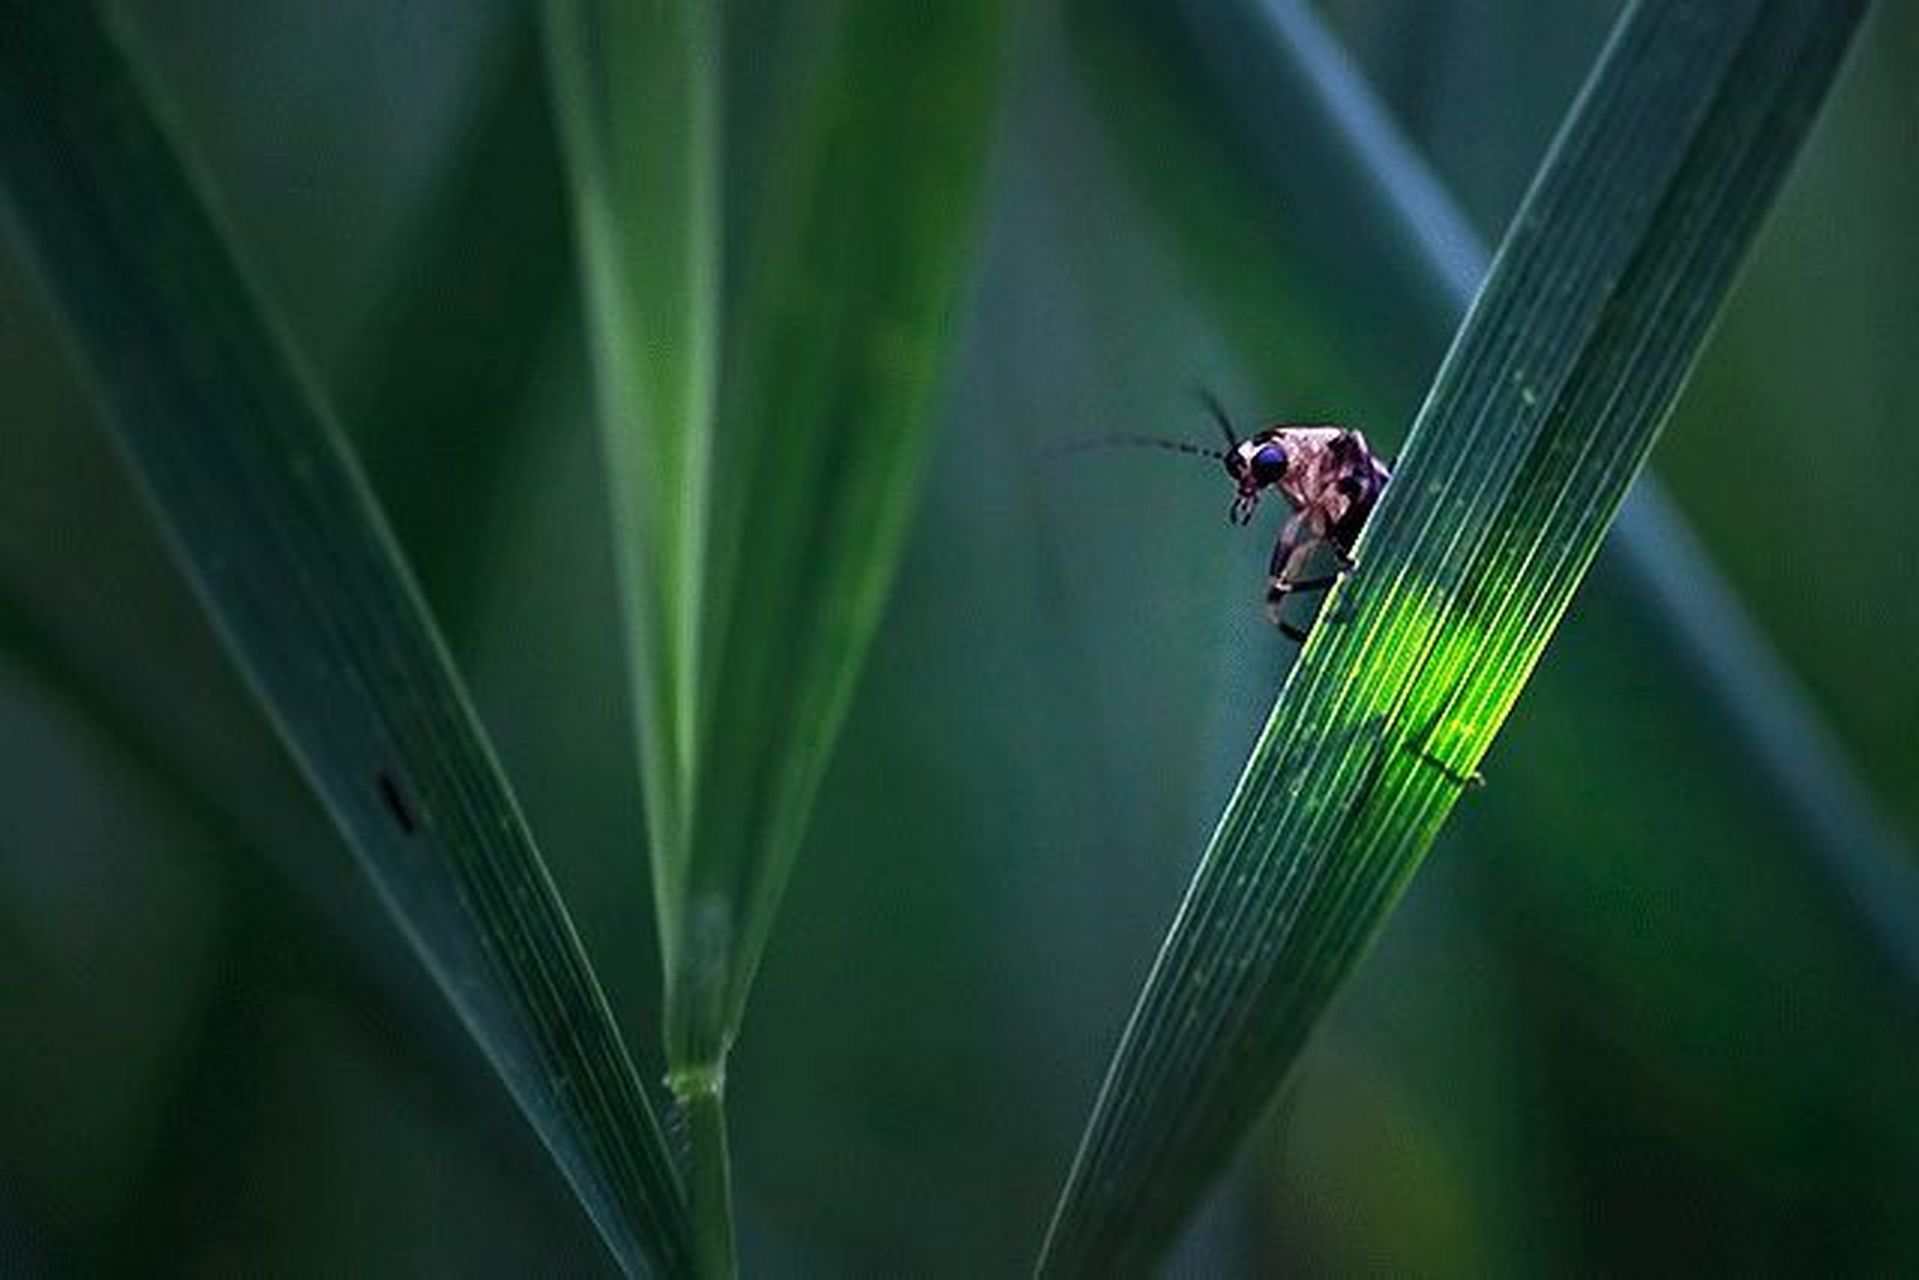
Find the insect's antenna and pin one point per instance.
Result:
(1218, 410)
(1120, 440)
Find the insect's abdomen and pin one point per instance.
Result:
(1363, 477)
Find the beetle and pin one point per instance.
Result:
(1327, 474)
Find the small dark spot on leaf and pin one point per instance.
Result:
(396, 804)
(1465, 781)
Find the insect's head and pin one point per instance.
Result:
(1254, 464)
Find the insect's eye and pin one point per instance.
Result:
(1269, 464)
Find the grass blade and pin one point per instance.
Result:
(637, 89)
(1278, 52)
(274, 525)
(762, 484)
(1382, 235)
(845, 308)
(848, 307)
(1543, 412)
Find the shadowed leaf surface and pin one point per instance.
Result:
(269, 514)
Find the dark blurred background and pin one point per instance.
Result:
(1626, 1019)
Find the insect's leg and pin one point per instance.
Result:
(1289, 556)
(1320, 583)
(1294, 540)
(1296, 634)
(1276, 594)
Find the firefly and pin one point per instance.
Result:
(1327, 474)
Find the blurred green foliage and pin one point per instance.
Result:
(1620, 1022)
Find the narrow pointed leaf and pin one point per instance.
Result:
(637, 87)
(271, 520)
(1541, 415)
(849, 303)
(1278, 55)
(1289, 149)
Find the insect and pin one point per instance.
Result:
(1327, 474)
(1330, 477)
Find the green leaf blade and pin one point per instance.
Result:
(1544, 411)
(848, 306)
(637, 90)
(764, 462)
(274, 525)
(1359, 197)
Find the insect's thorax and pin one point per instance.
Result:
(1314, 465)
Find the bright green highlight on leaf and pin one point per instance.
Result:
(270, 518)
(1336, 160)
(1543, 412)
